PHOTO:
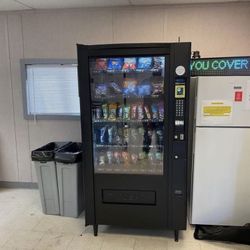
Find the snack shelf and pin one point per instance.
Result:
(108, 71)
(127, 97)
(127, 146)
(128, 121)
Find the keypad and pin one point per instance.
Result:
(179, 108)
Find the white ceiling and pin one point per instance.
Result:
(8, 5)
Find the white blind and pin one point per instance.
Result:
(52, 90)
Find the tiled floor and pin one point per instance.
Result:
(24, 226)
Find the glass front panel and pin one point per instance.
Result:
(128, 114)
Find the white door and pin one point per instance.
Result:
(221, 177)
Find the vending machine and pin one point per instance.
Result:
(134, 106)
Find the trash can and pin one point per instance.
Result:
(46, 176)
(70, 179)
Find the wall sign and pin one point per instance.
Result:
(228, 66)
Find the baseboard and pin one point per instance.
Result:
(12, 184)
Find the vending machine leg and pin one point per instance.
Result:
(176, 235)
(95, 226)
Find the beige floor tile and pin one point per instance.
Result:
(54, 241)
(24, 239)
(148, 243)
(114, 242)
(212, 245)
(4, 236)
(86, 242)
(183, 245)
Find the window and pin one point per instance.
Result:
(50, 89)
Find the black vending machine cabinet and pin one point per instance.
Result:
(134, 116)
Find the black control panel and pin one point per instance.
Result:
(180, 93)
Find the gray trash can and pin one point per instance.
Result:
(46, 176)
(70, 180)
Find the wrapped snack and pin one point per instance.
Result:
(98, 113)
(115, 63)
(115, 87)
(147, 112)
(129, 63)
(133, 111)
(144, 63)
(101, 160)
(120, 112)
(126, 134)
(141, 155)
(125, 156)
(140, 111)
(159, 62)
(130, 86)
(126, 112)
(112, 111)
(101, 89)
(110, 134)
(105, 111)
(119, 136)
(154, 109)
(110, 157)
(134, 158)
(161, 110)
(103, 136)
(101, 64)
(158, 85)
(145, 88)
(118, 157)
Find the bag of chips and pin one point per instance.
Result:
(130, 86)
(115, 88)
(115, 63)
(126, 112)
(101, 89)
(144, 88)
(159, 62)
(105, 111)
(129, 63)
(101, 64)
(144, 63)
(112, 111)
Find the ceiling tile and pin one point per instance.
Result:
(57, 4)
(159, 2)
(8, 5)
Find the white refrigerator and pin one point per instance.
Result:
(220, 176)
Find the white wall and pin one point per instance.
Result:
(215, 30)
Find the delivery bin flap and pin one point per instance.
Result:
(47, 152)
(71, 153)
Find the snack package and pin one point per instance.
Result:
(133, 135)
(145, 88)
(119, 136)
(110, 134)
(101, 160)
(140, 111)
(110, 157)
(101, 64)
(147, 112)
(158, 156)
(133, 111)
(118, 157)
(144, 63)
(130, 86)
(129, 63)
(158, 85)
(115, 63)
(98, 113)
(125, 156)
(112, 111)
(120, 112)
(154, 109)
(105, 111)
(126, 112)
(126, 135)
(134, 158)
(161, 110)
(103, 135)
(159, 62)
(115, 88)
(101, 89)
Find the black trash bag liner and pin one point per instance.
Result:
(223, 233)
(71, 153)
(47, 152)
